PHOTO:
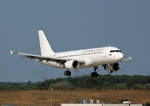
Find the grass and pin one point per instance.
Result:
(68, 96)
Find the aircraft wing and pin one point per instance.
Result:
(41, 58)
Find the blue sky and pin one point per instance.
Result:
(72, 24)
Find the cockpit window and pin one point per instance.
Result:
(115, 51)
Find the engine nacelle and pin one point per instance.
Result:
(71, 64)
(116, 66)
(112, 67)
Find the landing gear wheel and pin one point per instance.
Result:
(67, 73)
(94, 74)
(110, 71)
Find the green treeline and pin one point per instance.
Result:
(84, 82)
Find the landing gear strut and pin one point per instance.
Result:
(94, 74)
(67, 73)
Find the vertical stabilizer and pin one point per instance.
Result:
(45, 47)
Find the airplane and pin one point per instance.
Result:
(108, 57)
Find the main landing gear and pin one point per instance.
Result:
(94, 74)
(67, 73)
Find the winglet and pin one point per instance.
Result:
(12, 52)
(128, 59)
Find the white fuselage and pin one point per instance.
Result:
(91, 57)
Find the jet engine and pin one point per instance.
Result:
(116, 66)
(71, 64)
(111, 67)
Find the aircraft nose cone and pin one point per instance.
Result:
(121, 56)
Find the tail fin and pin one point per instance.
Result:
(45, 47)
